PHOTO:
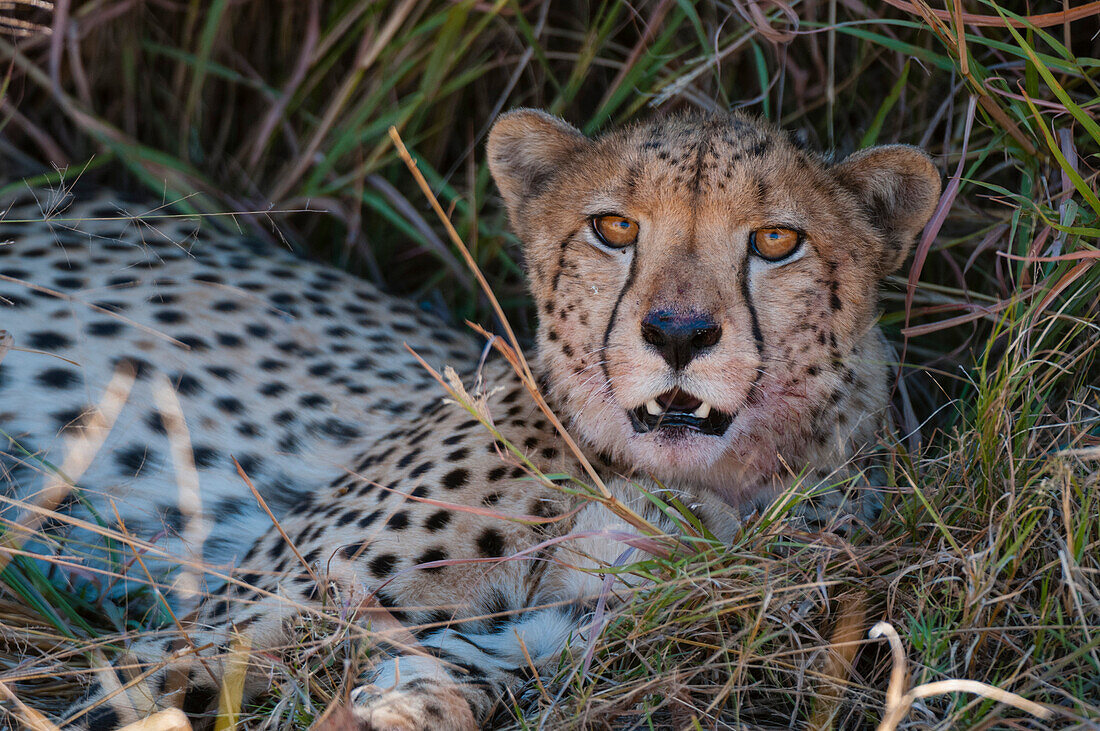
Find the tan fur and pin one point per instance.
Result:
(698, 185)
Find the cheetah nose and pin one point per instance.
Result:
(680, 338)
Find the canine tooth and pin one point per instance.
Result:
(703, 411)
(653, 407)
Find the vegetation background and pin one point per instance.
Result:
(986, 560)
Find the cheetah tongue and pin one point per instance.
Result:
(677, 400)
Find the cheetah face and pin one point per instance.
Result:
(703, 284)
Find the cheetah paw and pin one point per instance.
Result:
(421, 709)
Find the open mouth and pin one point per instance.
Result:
(678, 409)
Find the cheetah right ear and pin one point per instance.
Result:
(526, 147)
(899, 188)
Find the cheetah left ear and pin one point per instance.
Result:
(898, 187)
(526, 147)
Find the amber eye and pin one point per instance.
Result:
(615, 231)
(774, 244)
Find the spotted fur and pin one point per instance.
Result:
(397, 503)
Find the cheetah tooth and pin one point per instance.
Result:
(653, 407)
(703, 411)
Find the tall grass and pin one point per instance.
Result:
(987, 557)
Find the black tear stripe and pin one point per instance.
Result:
(757, 334)
(615, 312)
(562, 246)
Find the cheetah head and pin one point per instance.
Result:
(706, 288)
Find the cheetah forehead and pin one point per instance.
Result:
(694, 162)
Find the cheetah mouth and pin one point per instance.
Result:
(679, 410)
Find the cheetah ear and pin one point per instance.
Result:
(526, 147)
(899, 187)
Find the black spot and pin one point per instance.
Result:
(102, 718)
(398, 521)
(321, 369)
(407, 459)
(133, 459)
(250, 463)
(67, 419)
(47, 340)
(283, 298)
(230, 340)
(369, 519)
(226, 374)
(59, 378)
(491, 543)
(155, 423)
(170, 317)
(421, 468)
(339, 430)
(432, 554)
(313, 400)
(497, 473)
(456, 478)
(188, 385)
(437, 521)
(194, 342)
(205, 456)
(229, 404)
(257, 330)
(199, 700)
(7, 299)
(383, 565)
(273, 389)
(226, 306)
(69, 282)
(352, 550)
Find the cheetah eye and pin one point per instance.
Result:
(774, 244)
(615, 231)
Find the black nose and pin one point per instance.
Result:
(680, 338)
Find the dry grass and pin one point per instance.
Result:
(986, 560)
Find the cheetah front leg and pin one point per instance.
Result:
(462, 676)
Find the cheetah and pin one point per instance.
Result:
(707, 303)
